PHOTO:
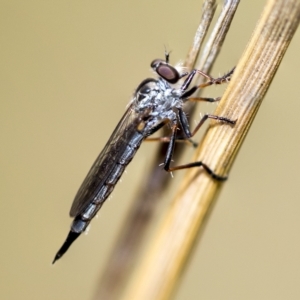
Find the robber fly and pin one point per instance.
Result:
(155, 103)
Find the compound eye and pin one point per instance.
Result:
(168, 73)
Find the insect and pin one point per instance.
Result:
(155, 103)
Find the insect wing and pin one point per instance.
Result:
(104, 164)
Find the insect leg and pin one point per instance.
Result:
(219, 80)
(185, 126)
(183, 121)
(209, 116)
(208, 170)
(206, 99)
(166, 139)
(170, 149)
(211, 81)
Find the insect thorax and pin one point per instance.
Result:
(160, 98)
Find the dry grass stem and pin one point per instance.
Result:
(208, 11)
(217, 37)
(159, 271)
(125, 252)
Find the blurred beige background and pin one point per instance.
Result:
(68, 69)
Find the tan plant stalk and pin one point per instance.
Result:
(158, 273)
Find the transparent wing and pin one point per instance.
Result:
(105, 162)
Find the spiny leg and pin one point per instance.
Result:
(170, 150)
(204, 99)
(209, 116)
(187, 93)
(188, 134)
(223, 79)
(182, 119)
(186, 166)
(208, 170)
(166, 139)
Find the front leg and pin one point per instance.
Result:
(220, 80)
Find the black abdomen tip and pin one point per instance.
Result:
(72, 236)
